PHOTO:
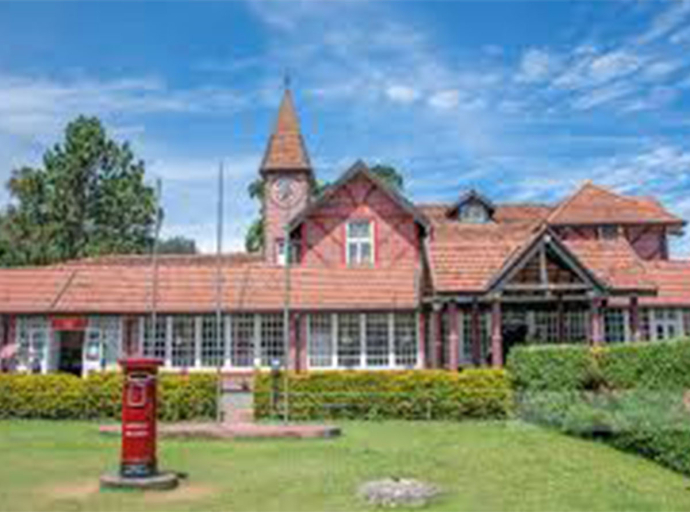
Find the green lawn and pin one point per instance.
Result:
(481, 466)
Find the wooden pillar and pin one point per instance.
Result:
(496, 334)
(596, 322)
(560, 320)
(476, 334)
(453, 337)
(634, 319)
(421, 355)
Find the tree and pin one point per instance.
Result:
(177, 245)
(254, 238)
(89, 198)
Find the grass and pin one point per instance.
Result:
(481, 466)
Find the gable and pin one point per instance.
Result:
(545, 264)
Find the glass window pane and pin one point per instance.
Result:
(183, 341)
(349, 342)
(212, 341)
(320, 341)
(377, 339)
(242, 340)
(405, 339)
(272, 339)
(359, 229)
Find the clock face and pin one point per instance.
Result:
(285, 191)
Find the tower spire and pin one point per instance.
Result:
(286, 149)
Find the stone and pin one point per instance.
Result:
(398, 492)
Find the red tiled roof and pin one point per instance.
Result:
(673, 281)
(247, 286)
(286, 149)
(596, 205)
(504, 212)
(465, 257)
(614, 262)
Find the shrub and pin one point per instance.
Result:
(649, 365)
(426, 394)
(551, 368)
(63, 396)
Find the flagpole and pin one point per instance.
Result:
(219, 292)
(154, 264)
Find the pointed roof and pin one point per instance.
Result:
(471, 195)
(286, 150)
(360, 168)
(593, 204)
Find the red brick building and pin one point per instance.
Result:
(374, 281)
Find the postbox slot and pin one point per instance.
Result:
(137, 385)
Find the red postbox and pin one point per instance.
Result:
(139, 407)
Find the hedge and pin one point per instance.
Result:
(659, 365)
(98, 396)
(416, 394)
(631, 396)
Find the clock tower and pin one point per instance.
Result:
(288, 178)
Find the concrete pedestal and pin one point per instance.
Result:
(160, 482)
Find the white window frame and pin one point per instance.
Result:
(359, 242)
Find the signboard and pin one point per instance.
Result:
(68, 323)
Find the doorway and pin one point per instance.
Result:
(70, 355)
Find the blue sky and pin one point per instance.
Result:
(522, 100)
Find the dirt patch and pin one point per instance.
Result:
(185, 492)
(73, 491)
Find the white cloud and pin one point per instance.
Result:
(536, 66)
(445, 100)
(402, 93)
(612, 65)
(667, 21)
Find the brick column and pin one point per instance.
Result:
(435, 326)
(475, 335)
(634, 319)
(596, 322)
(422, 340)
(496, 334)
(453, 337)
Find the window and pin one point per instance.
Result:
(154, 343)
(280, 252)
(614, 325)
(546, 326)
(104, 331)
(377, 339)
(33, 333)
(242, 340)
(360, 245)
(272, 338)
(405, 339)
(183, 341)
(645, 326)
(608, 232)
(667, 323)
(576, 325)
(321, 340)
(686, 322)
(473, 212)
(484, 338)
(213, 341)
(349, 340)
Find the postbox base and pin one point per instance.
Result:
(158, 482)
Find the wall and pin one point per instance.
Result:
(395, 232)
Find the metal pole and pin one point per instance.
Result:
(219, 294)
(154, 263)
(286, 318)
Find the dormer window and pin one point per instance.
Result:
(473, 208)
(608, 232)
(360, 242)
(474, 212)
